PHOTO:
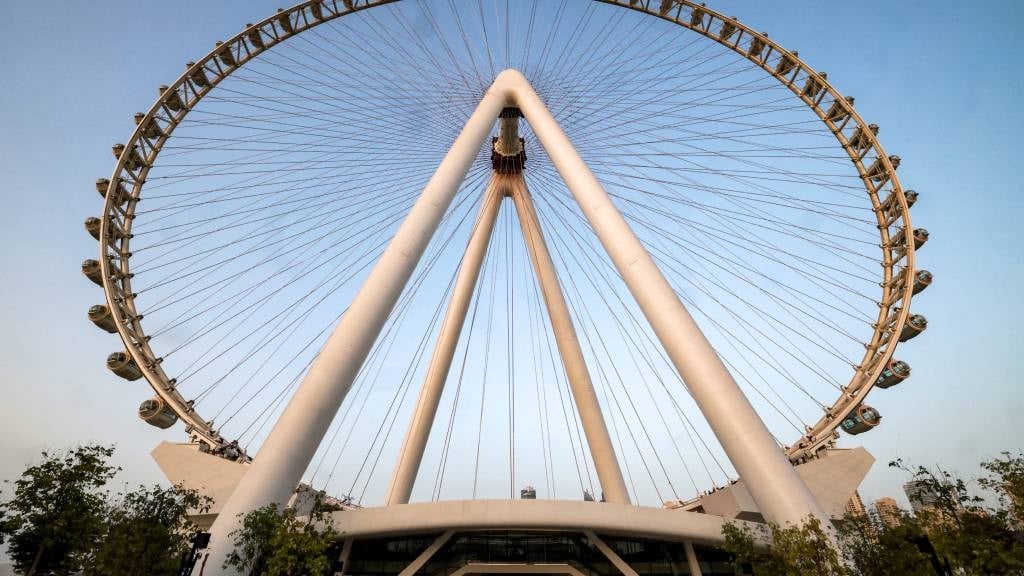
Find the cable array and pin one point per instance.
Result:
(275, 196)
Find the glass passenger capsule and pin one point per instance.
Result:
(860, 420)
(895, 372)
(91, 269)
(157, 413)
(100, 315)
(914, 326)
(922, 280)
(122, 364)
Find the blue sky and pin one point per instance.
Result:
(941, 79)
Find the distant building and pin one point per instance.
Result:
(921, 496)
(889, 513)
(855, 506)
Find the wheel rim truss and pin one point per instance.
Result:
(857, 138)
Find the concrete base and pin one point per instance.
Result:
(832, 479)
(212, 476)
(570, 515)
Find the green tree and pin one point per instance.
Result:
(272, 542)
(943, 496)
(6, 526)
(1006, 478)
(56, 513)
(740, 542)
(974, 539)
(803, 550)
(147, 530)
(875, 549)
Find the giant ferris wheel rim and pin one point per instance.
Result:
(807, 85)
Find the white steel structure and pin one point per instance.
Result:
(777, 489)
(241, 208)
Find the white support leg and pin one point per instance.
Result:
(624, 568)
(427, 554)
(607, 465)
(691, 559)
(778, 490)
(447, 340)
(346, 553)
(288, 449)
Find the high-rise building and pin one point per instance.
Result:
(920, 494)
(889, 513)
(855, 506)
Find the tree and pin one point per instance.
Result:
(880, 550)
(6, 526)
(973, 539)
(1006, 479)
(943, 497)
(147, 530)
(57, 510)
(272, 542)
(803, 550)
(739, 542)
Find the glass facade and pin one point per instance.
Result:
(388, 556)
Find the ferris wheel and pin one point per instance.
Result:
(253, 198)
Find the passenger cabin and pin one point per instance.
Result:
(132, 159)
(91, 269)
(920, 237)
(93, 225)
(838, 112)
(899, 239)
(198, 76)
(756, 47)
(922, 280)
(786, 64)
(100, 315)
(896, 371)
(860, 420)
(813, 86)
(914, 326)
(225, 55)
(157, 413)
(151, 129)
(254, 37)
(171, 98)
(121, 194)
(728, 29)
(878, 172)
(122, 364)
(284, 20)
(860, 140)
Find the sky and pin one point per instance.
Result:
(940, 78)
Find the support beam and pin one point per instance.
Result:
(288, 449)
(610, 554)
(411, 455)
(607, 465)
(760, 462)
(691, 558)
(494, 568)
(346, 552)
(427, 554)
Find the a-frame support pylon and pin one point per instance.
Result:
(508, 185)
(778, 490)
